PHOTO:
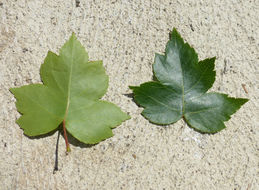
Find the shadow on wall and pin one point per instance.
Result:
(71, 139)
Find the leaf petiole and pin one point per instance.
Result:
(65, 136)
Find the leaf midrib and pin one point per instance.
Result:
(183, 105)
(189, 90)
(69, 81)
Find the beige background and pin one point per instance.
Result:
(126, 35)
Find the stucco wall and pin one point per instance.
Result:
(126, 35)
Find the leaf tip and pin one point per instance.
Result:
(242, 101)
(73, 37)
(12, 90)
(174, 34)
(213, 58)
(133, 87)
(127, 116)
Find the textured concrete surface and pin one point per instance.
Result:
(125, 35)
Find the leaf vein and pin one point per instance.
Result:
(187, 91)
(203, 110)
(160, 102)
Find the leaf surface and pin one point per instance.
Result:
(70, 93)
(180, 90)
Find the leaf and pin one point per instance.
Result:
(70, 93)
(180, 90)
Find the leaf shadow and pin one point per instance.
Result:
(42, 136)
(154, 77)
(129, 95)
(73, 141)
(201, 132)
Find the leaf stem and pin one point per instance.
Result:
(65, 136)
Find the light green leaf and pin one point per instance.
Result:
(180, 90)
(70, 93)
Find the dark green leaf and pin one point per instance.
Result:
(180, 90)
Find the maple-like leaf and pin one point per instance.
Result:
(180, 90)
(70, 93)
